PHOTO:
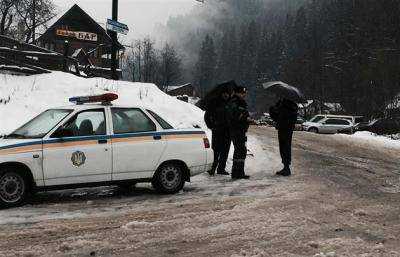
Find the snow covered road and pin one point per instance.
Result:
(344, 200)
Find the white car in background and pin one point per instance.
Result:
(99, 144)
(353, 119)
(328, 125)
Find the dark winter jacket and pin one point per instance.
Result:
(216, 117)
(238, 115)
(284, 113)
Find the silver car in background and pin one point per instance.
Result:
(330, 125)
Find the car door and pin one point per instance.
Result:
(343, 124)
(334, 125)
(329, 126)
(83, 155)
(137, 146)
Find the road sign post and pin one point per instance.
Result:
(114, 27)
(114, 38)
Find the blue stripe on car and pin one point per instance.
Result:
(87, 138)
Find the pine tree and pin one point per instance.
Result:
(206, 66)
(170, 66)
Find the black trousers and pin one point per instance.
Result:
(285, 136)
(221, 143)
(239, 156)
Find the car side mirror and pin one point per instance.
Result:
(63, 132)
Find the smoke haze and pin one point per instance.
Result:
(140, 15)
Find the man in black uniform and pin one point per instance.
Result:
(284, 113)
(216, 120)
(238, 116)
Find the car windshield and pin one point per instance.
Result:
(39, 126)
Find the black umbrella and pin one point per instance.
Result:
(284, 90)
(213, 97)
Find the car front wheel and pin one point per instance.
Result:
(169, 179)
(313, 130)
(13, 189)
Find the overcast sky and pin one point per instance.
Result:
(139, 15)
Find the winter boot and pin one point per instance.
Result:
(225, 173)
(285, 172)
(211, 172)
(238, 171)
(241, 177)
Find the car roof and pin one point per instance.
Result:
(336, 116)
(94, 106)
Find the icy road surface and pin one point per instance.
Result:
(344, 200)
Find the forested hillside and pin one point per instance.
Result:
(343, 51)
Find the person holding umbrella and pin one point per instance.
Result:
(216, 120)
(284, 113)
(239, 121)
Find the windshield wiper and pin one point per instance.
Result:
(15, 135)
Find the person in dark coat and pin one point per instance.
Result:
(284, 113)
(216, 120)
(239, 121)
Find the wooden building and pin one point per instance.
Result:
(82, 37)
(183, 90)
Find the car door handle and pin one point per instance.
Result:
(157, 137)
(102, 141)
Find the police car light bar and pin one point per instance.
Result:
(104, 98)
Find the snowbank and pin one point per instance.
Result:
(31, 95)
(372, 139)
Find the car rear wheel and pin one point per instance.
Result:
(169, 179)
(313, 130)
(13, 189)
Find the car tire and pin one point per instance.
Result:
(313, 130)
(13, 189)
(169, 178)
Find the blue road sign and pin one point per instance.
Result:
(117, 27)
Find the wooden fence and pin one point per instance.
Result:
(30, 59)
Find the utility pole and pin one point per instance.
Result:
(113, 34)
(66, 50)
(34, 22)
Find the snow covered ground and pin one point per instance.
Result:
(28, 96)
(341, 201)
(29, 214)
(369, 138)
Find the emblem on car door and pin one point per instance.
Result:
(78, 158)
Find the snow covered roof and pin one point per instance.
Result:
(28, 52)
(171, 88)
(2, 66)
(331, 106)
(86, 22)
(305, 105)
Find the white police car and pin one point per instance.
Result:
(98, 144)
